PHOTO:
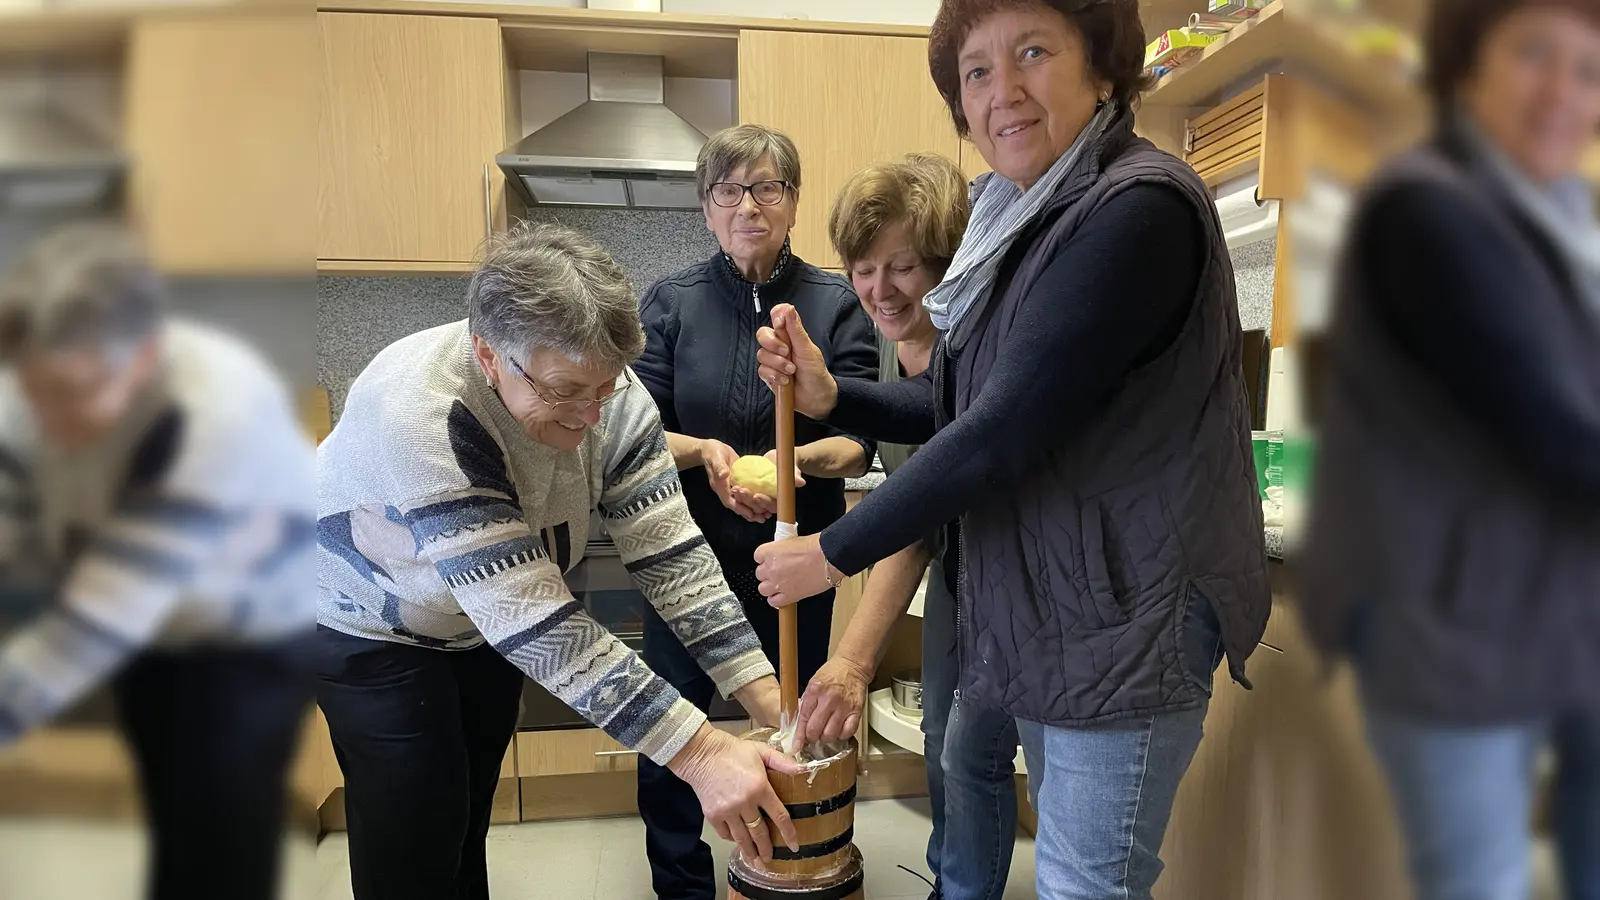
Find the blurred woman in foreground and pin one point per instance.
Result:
(156, 488)
(1454, 554)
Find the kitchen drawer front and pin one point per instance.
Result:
(584, 751)
(573, 751)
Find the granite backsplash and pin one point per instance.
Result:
(358, 316)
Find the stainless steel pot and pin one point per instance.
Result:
(907, 695)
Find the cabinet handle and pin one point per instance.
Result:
(616, 753)
(488, 204)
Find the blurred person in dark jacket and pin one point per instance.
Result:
(1454, 550)
(155, 480)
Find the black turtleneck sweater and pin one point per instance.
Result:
(699, 364)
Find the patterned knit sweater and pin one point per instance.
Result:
(443, 525)
(188, 524)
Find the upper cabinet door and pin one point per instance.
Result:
(414, 108)
(220, 121)
(847, 101)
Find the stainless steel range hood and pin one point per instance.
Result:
(50, 161)
(623, 147)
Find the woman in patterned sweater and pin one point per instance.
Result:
(454, 493)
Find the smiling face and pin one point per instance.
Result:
(1535, 91)
(750, 233)
(546, 419)
(891, 279)
(1026, 90)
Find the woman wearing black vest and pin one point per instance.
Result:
(1084, 418)
(699, 365)
(1454, 554)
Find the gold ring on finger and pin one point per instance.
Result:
(753, 824)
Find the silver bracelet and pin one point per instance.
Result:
(827, 572)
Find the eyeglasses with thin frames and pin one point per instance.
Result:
(559, 404)
(728, 194)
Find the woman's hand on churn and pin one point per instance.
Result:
(832, 706)
(729, 776)
(786, 353)
(794, 569)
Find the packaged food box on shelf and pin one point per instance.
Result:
(1177, 47)
(1235, 9)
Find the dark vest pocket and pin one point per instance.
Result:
(1101, 601)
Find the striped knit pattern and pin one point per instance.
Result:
(443, 525)
(205, 540)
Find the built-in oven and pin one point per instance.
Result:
(602, 584)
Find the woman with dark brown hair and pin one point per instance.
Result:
(1083, 423)
(1461, 574)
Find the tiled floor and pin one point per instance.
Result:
(603, 859)
(586, 860)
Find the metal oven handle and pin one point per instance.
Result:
(616, 753)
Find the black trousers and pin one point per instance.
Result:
(212, 733)
(420, 735)
(680, 862)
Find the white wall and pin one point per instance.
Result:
(709, 104)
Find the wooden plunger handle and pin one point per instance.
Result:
(788, 623)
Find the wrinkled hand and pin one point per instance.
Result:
(793, 570)
(763, 700)
(761, 502)
(718, 459)
(787, 353)
(832, 706)
(729, 776)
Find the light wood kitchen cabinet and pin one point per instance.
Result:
(414, 110)
(573, 751)
(220, 111)
(972, 161)
(847, 101)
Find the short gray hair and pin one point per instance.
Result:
(83, 284)
(745, 145)
(553, 288)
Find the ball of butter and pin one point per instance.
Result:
(755, 474)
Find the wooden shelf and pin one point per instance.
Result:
(1276, 34)
(390, 267)
(565, 48)
(593, 19)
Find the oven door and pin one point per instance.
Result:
(602, 584)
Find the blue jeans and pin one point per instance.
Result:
(1104, 793)
(1463, 797)
(970, 753)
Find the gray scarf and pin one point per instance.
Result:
(1564, 212)
(1001, 211)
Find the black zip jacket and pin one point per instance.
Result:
(699, 364)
